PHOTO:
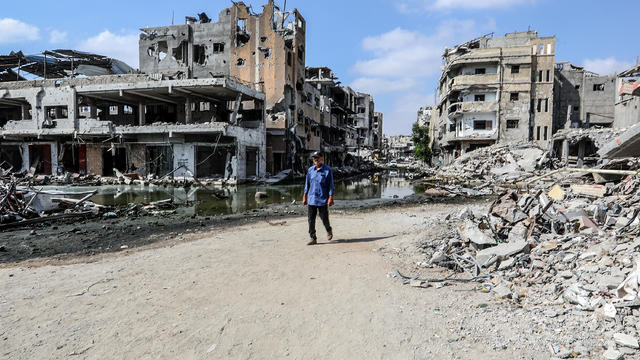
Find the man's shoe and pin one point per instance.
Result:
(312, 242)
(330, 236)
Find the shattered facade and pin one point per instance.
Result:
(227, 99)
(364, 119)
(207, 128)
(627, 117)
(627, 98)
(265, 51)
(424, 116)
(399, 146)
(351, 123)
(378, 136)
(495, 89)
(582, 98)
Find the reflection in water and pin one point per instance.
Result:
(242, 198)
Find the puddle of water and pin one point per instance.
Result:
(242, 198)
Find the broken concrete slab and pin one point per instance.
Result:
(625, 145)
(612, 354)
(502, 291)
(626, 340)
(470, 232)
(590, 190)
(490, 255)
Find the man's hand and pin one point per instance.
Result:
(330, 202)
(304, 199)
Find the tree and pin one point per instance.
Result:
(420, 135)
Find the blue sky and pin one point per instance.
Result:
(391, 49)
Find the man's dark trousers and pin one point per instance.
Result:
(324, 216)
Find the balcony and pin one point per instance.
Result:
(457, 109)
(451, 137)
(463, 81)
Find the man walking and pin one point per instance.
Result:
(318, 194)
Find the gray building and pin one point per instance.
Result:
(582, 98)
(495, 89)
(363, 117)
(627, 99)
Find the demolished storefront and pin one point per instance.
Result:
(205, 128)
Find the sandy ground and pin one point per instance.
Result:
(251, 292)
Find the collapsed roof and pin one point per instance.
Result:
(59, 64)
(634, 71)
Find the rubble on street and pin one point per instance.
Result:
(562, 249)
(498, 163)
(23, 204)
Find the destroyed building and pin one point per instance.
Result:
(627, 98)
(399, 146)
(627, 117)
(227, 100)
(583, 113)
(424, 116)
(352, 123)
(264, 51)
(135, 124)
(495, 89)
(378, 136)
(364, 120)
(267, 52)
(582, 99)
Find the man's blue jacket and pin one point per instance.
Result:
(319, 185)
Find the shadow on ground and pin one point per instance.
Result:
(359, 240)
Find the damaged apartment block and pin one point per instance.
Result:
(208, 128)
(265, 52)
(495, 89)
(229, 100)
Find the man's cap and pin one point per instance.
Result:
(316, 154)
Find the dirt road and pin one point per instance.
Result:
(252, 292)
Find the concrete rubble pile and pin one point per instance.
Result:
(569, 253)
(500, 163)
(22, 204)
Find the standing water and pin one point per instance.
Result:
(241, 198)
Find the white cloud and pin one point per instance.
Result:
(400, 57)
(606, 66)
(15, 31)
(408, 6)
(58, 37)
(404, 65)
(122, 47)
(404, 112)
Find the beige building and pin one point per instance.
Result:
(495, 89)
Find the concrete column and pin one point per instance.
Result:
(565, 151)
(581, 146)
(54, 158)
(142, 116)
(24, 111)
(72, 108)
(187, 111)
(37, 112)
(24, 147)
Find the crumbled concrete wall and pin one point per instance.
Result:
(627, 112)
(580, 96)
